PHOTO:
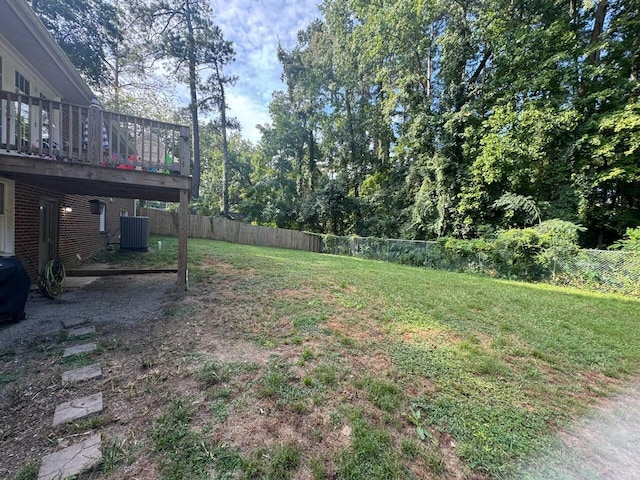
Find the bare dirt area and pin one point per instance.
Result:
(153, 346)
(605, 445)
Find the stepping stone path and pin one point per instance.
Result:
(74, 322)
(79, 331)
(82, 456)
(77, 349)
(72, 460)
(78, 408)
(84, 373)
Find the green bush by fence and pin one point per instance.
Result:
(515, 256)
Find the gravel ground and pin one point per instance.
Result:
(124, 309)
(113, 300)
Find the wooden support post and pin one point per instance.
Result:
(183, 231)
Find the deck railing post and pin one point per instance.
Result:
(95, 133)
(185, 151)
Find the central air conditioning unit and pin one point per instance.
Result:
(134, 233)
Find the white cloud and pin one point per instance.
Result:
(249, 113)
(255, 27)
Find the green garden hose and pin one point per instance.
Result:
(52, 278)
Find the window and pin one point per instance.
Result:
(103, 218)
(22, 84)
(124, 213)
(22, 126)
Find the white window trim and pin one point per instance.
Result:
(103, 218)
(8, 220)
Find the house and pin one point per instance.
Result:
(61, 154)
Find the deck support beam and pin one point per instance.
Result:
(183, 233)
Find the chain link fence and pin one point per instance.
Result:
(613, 271)
(609, 271)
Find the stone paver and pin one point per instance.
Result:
(74, 322)
(84, 373)
(78, 408)
(76, 349)
(72, 460)
(79, 331)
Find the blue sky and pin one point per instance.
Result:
(255, 27)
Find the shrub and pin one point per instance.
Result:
(630, 242)
(516, 251)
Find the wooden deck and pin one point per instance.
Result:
(74, 149)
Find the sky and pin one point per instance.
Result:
(255, 27)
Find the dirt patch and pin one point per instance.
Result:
(606, 445)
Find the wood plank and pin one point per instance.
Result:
(86, 179)
(107, 272)
(36, 166)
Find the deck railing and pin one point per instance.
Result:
(72, 133)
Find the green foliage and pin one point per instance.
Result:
(87, 30)
(494, 364)
(115, 452)
(429, 114)
(630, 242)
(513, 253)
(516, 252)
(383, 394)
(8, 377)
(512, 203)
(279, 462)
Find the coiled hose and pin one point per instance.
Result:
(52, 278)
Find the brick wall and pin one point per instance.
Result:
(79, 235)
(27, 224)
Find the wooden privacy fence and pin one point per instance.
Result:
(217, 228)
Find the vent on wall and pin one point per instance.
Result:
(134, 233)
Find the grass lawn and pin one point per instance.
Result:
(367, 370)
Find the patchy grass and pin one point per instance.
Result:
(8, 377)
(28, 472)
(183, 453)
(371, 454)
(117, 452)
(80, 360)
(284, 364)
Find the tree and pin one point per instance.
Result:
(427, 112)
(183, 33)
(87, 30)
(216, 86)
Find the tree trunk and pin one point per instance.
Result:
(225, 150)
(598, 27)
(193, 107)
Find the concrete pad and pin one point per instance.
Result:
(84, 373)
(77, 349)
(78, 408)
(72, 460)
(74, 322)
(79, 331)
